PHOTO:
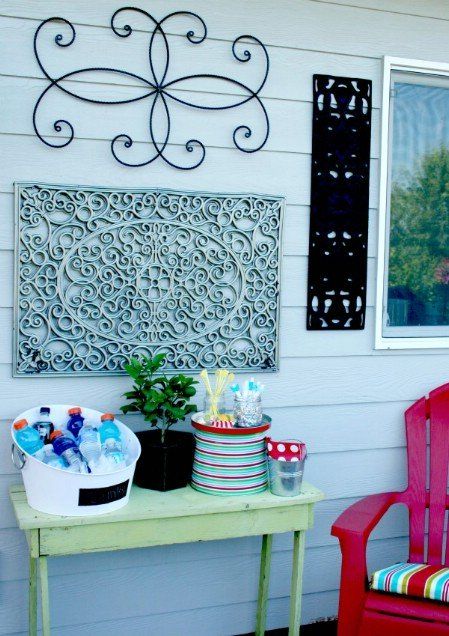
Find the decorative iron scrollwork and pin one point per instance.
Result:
(158, 89)
(105, 274)
(339, 203)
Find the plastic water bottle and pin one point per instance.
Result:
(44, 426)
(27, 437)
(114, 455)
(76, 421)
(50, 458)
(101, 466)
(67, 448)
(89, 444)
(109, 429)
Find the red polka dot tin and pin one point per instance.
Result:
(287, 450)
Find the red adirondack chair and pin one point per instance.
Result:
(365, 612)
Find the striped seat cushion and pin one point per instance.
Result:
(413, 579)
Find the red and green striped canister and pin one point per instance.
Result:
(230, 461)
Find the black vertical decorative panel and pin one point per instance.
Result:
(336, 293)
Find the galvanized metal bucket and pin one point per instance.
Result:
(286, 466)
(285, 478)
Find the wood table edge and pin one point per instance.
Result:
(46, 521)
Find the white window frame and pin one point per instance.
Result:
(391, 64)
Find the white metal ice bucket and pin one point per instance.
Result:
(60, 492)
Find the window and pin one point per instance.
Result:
(413, 274)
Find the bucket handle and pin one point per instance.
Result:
(17, 456)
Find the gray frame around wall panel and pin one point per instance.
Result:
(102, 274)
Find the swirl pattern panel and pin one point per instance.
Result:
(105, 274)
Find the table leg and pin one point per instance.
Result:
(264, 581)
(32, 598)
(43, 570)
(296, 587)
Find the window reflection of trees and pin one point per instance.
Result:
(418, 285)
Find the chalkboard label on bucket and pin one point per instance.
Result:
(99, 496)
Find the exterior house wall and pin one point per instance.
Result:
(333, 390)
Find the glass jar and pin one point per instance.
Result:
(248, 411)
(214, 410)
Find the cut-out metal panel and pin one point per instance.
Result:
(339, 203)
(103, 274)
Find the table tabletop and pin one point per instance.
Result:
(151, 504)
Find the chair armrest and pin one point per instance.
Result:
(359, 519)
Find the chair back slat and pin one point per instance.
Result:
(416, 422)
(439, 459)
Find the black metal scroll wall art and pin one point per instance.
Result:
(339, 203)
(160, 91)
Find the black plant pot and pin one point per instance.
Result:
(164, 466)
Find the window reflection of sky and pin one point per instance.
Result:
(420, 125)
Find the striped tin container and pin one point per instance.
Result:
(230, 461)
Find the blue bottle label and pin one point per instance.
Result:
(75, 424)
(61, 444)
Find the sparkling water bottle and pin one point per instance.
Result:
(67, 448)
(89, 444)
(76, 421)
(44, 426)
(27, 437)
(50, 458)
(114, 455)
(109, 429)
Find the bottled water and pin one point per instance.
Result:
(100, 466)
(27, 437)
(44, 426)
(109, 429)
(50, 458)
(76, 421)
(114, 455)
(89, 444)
(67, 448)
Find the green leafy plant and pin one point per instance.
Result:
(162, 400)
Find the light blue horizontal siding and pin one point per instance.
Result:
(345, 400)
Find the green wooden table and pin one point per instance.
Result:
(179, 516)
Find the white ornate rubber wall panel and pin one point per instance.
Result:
(104, 274)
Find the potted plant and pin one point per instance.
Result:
(167, 455)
